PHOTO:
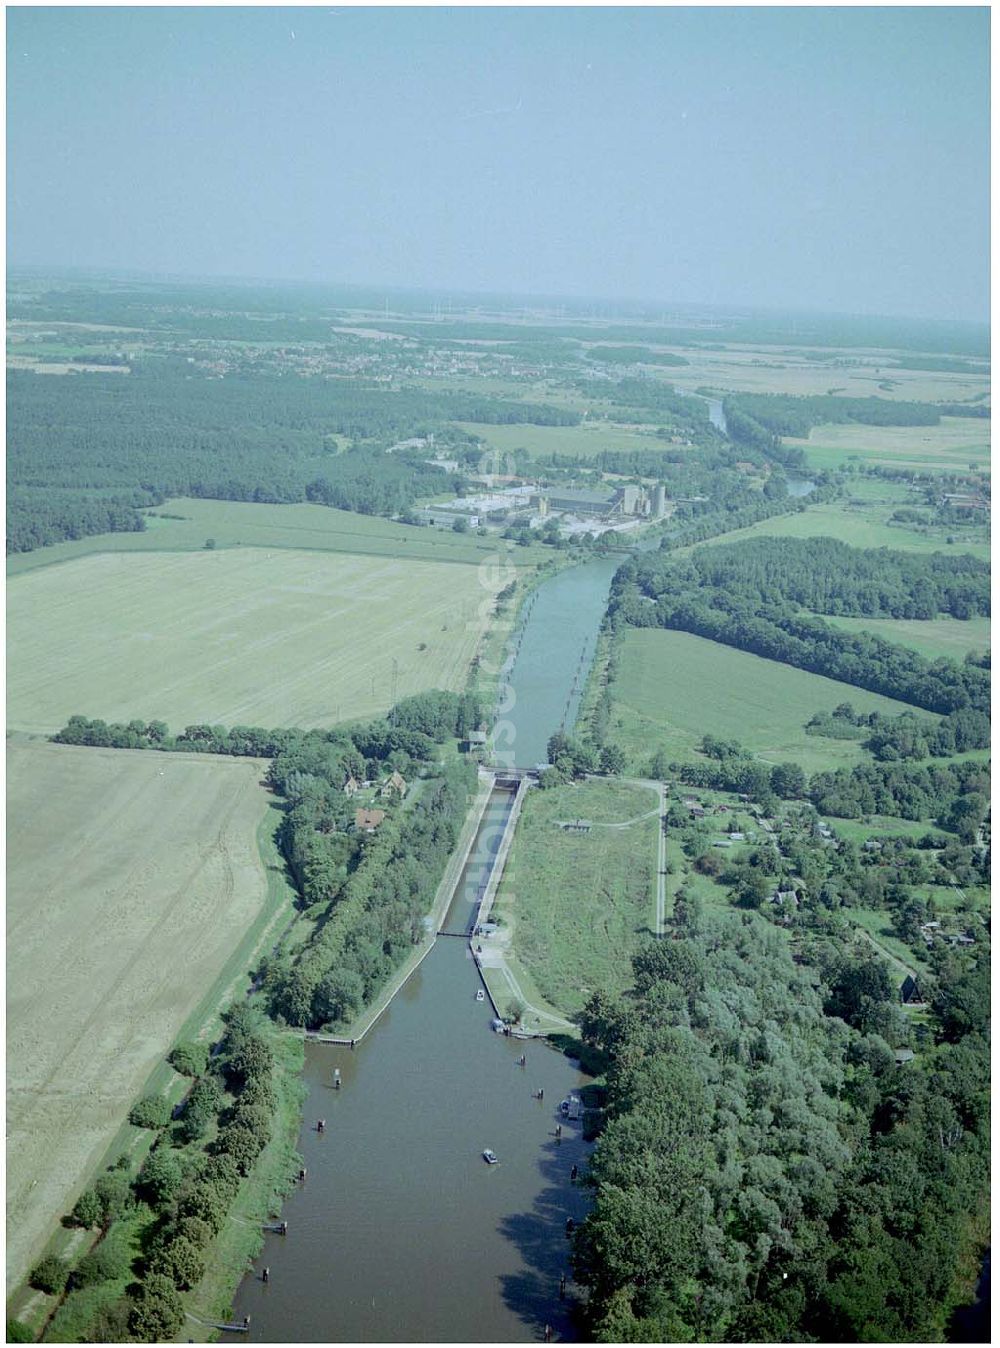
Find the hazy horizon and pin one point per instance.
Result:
(827, 161)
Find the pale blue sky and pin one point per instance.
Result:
(815, 158)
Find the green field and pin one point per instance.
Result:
(951, 446)
(862, 527)
(578, 904)
(878, 924)
(672, 688)
(584, 441)
(950, 637)
(238, 636)
(234, 524)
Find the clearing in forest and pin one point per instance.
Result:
(238, 637)
(673, 688)
(134, 883)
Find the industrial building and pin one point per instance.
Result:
(629, 501)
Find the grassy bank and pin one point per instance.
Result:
(577, 904)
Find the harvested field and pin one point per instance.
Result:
(237, 637)
(132, 879)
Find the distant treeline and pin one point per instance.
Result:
(740, 595)
(171, 307)
(633, 355)
(168, 430)
(761, 419)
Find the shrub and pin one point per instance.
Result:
(18, 1332)
(111, 1324)
(114, 1193)
(160, 1177)
(152, 1111)
(204, 1102)
(242, 1145)
(107, 1262)
(196, 1231)
(88, 1210)
(50, 1274)
(180, 1261)
(157, 1313)
(189, 1059)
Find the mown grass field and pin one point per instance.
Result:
(951, 446)
(584, 441)
(235, 524)
(949, 637)
(579, 904)
(133, 879)
(862, 526)
(672, 688)
(237, 637)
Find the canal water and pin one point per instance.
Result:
(401, 1232)
(552, 652)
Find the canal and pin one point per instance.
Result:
(401, 1232)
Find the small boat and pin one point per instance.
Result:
(490, 1157)
(480, 995)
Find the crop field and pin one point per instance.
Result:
(950, 637)
(951, 446)
(672, 688)
(234, 524)
(862, 527)
(132, 878)
(237, 637)
(584, 441)
(767, 369)
(579, 903)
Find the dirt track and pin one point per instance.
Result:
(131, 878)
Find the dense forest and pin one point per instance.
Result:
(827, 576)
(766, 1171)
(746, 595)
(168, 430)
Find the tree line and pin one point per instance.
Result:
(829, 576)
(757, 615)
